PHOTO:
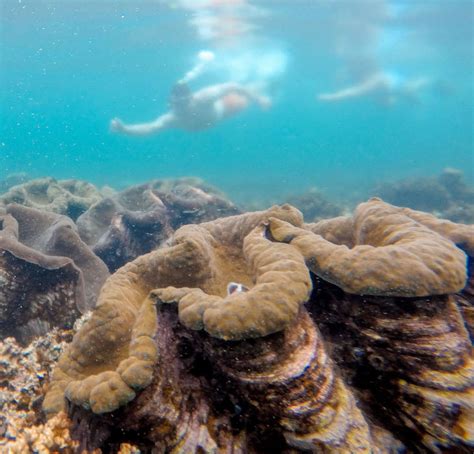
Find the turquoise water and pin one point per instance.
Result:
(69, 67)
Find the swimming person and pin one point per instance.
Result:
(197, 111)
(386, 88)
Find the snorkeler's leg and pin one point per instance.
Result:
(365, 87)
(163, 122)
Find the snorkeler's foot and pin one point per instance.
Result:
(116, 125)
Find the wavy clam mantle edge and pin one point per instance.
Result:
(264, 348)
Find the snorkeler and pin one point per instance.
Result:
(197, 111)
(386, 88)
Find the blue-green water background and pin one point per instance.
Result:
(68, 67)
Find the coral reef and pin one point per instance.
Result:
(47, 274)
(23, 372)
(52, 436)
(13, 179)
(223, 341)
(447, 195)
(138, 219)
(313, 203)
(68, 197)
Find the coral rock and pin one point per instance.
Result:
(13, 179)
(448, 195)
(23, 372)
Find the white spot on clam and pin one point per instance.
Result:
(235, 287)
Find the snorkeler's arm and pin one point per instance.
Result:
(163, 122)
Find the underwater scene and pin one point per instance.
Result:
(236, 226)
